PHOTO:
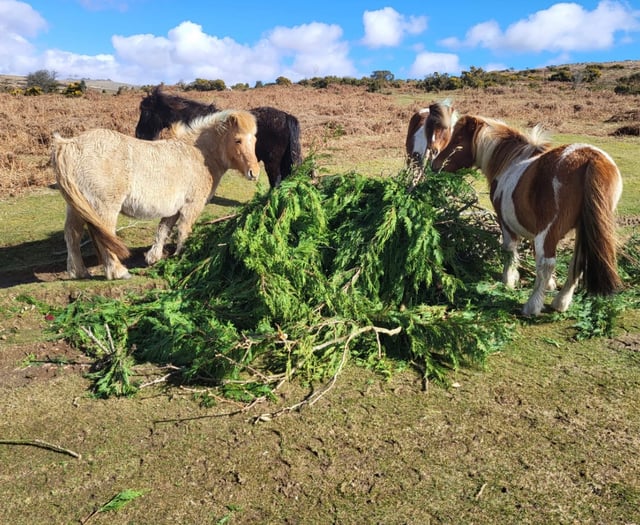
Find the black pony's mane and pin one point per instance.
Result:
(174, 108)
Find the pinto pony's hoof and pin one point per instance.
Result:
(530, 310)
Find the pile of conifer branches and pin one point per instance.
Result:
(303, 278)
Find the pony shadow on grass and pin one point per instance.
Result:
(227, 203)
(46, 260)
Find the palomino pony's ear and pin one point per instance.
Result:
(231, 121)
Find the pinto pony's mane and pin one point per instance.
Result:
(498, 145)
(446, 119)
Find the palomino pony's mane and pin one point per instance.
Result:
(219, 121)
(499, 145)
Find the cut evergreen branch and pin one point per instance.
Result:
(117, 502)
(307, 275)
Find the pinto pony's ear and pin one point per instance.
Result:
(470, 124)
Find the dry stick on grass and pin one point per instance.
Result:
(222, 219)
(41, 444)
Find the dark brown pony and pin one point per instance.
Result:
(277, 141)
(428, 132)
(541, 193)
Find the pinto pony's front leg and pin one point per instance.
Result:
(510, 274)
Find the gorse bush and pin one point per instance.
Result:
(306, 276)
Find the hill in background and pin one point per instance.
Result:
(605, 75)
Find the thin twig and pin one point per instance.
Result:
(222, 219)
(162, 379)
(479, 494)
(61, 362)
(95, 339)
(360, 331)
(86, 520)
(41, 444)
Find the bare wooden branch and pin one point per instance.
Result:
(222, 219)
(41, 444)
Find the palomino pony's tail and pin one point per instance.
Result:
(62, 159)
(596, 241)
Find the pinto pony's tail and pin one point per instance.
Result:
(293, 155)
(64, 156)
(596, 240)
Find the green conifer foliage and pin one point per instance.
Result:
(312, 273)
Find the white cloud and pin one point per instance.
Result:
(147, 49)
(317, 50)
(486, 34)
(73, 65)
(427, 63)
(305, 38)
(564, 27)
(386, 27)
(19, 18)
(18, 22)
(187, 53)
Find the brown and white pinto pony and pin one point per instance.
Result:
(429, 131)
(541, 193)
(102, 173)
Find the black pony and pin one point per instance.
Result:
(277, 140)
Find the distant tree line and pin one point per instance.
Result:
(629, 85)
(44, 81)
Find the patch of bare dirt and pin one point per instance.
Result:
(22, 364)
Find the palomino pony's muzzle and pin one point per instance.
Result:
(252, 172)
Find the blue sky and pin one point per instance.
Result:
(153, 41)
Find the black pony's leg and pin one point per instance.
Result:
(271, 166)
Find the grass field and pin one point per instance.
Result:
(547, 432)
